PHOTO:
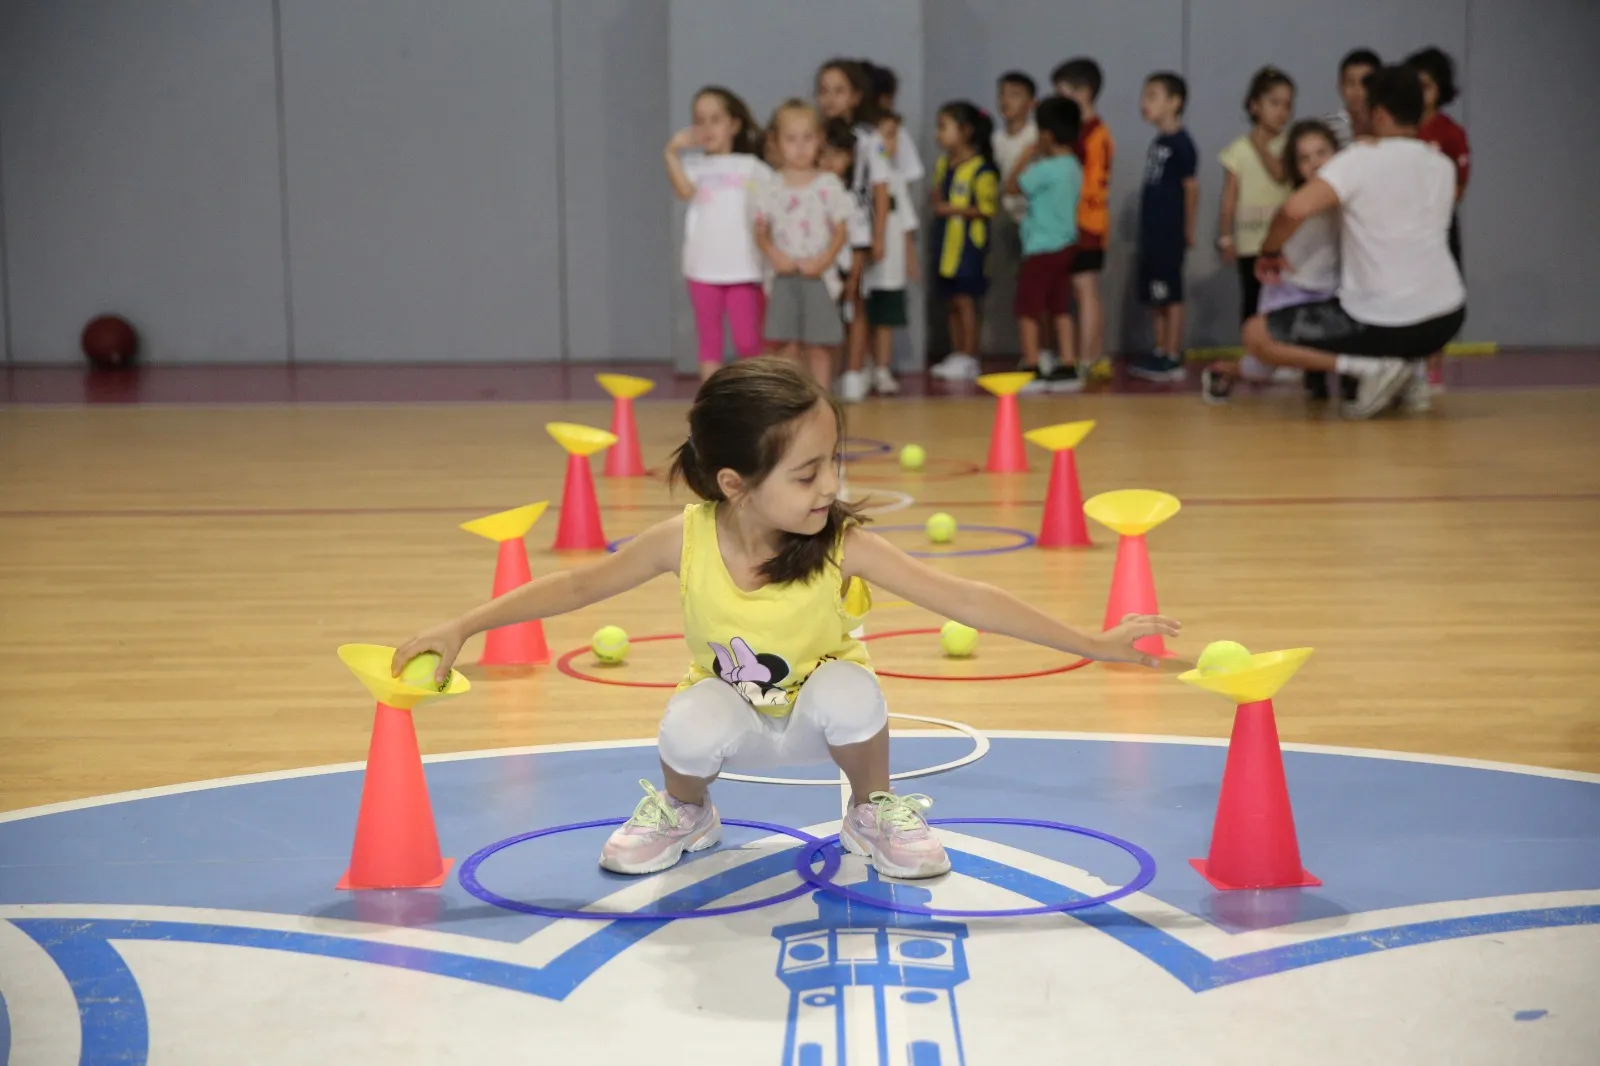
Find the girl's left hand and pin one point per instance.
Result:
(1116, 645)
(683, 140)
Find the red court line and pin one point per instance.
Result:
(490, 508)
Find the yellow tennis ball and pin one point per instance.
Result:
(912, 457)
(941, 528)
(418, 673)
(1223, 657)
(957, 640)
(610, 644)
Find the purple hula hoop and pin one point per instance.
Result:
(831, 849)
(468, 876)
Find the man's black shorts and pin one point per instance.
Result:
(1326, 326)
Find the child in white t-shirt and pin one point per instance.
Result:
(885, 283)
(845, 90)
(1312, 255)
(721, 262)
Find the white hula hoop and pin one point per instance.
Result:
(897, 501)
(980, 748)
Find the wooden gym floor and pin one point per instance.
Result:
(174, 580)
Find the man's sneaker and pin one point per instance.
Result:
(1064, 379)
(1156, 366)
(1416, 398)
(1382, 378)
(1317, 386)
(890, 831)
(853, 386)
(659, 832)
(1048, 361)
(883, 382)
(1215, 386)
(957, 366)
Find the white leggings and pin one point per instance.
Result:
(709, 727)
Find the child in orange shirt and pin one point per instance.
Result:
(1080, 80)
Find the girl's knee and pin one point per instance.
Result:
(701, 724)
(848, 701)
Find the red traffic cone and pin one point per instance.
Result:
(1253, 841)
(1007, 455)
(522, 643)
(1063, 525)
(396, 844)
(579, 529)
(623, 459)
(1132, 513)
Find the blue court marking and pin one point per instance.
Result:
(115, 1027)
(866, 448)
(5, 1032)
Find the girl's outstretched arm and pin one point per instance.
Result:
(983, 606)
(654, 552)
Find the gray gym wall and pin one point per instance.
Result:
(410, 180)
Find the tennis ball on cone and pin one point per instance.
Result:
(1223, 657)
(941, 528)
(957, 640)
(912, 457)
(418, 673)
(610, 644)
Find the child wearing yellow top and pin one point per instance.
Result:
(1254, 184)
(763, 565)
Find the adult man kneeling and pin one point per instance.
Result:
(1401, 297)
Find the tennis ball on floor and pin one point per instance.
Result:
(610, 644)
(957, 640)
(418, 673)
(941, 528)
(1223, 657)
(912, 457)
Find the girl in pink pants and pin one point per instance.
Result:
(714, 164)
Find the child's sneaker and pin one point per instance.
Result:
(957, 366)
(659, 832)
(1040, 382)
(890, 831)
(1064, 378)
(853, 386)
(1156, 366)
(883, 382)
(1417, 396)
(1216, 387)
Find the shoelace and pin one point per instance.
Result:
(654, 811)
(901, 812)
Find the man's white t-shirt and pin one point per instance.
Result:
(1008, 148)
(1396, 196)
(719, 245)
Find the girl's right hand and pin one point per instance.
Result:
(783, 264)
(444, 641)
(683, 140)
(1225, 249)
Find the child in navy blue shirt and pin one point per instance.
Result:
(1166, 224)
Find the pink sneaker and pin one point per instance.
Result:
(890, 832)
(658, 834)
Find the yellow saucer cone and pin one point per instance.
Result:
(624, 386)
(371, 663)
(580, 440)
(1131, 512)
(1267, 673)
(507, 525)
(1007, 384)
(1060, 438)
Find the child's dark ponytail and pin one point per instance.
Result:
(977, 123)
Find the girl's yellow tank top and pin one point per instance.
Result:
(767, 642)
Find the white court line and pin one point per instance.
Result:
(980, 748)
(598, 745)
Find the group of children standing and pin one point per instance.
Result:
(802, 235)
